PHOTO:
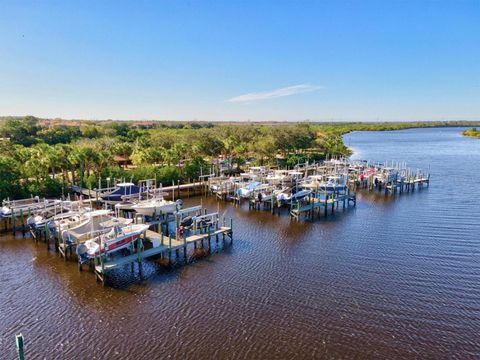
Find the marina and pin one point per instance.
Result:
(239, 180)
(79, 232)
(126, 224)
(338, 262)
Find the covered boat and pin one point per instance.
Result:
(121, 192)
(247, 189)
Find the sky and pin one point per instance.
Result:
(241, 60)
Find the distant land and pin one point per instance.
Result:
(376, 125)
(474, 132)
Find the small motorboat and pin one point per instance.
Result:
(119, 237)
(18, 207)
(44, 217)
(268, 194)
(284, 198)
(156, 206)
(334, 184)
(246, 191)
(312, 182)
(91, 223)
(39, 221)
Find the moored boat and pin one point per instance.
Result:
(122, 192)
(119, 237)
(90, 223)
(156, 206)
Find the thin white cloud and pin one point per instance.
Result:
(266, 95)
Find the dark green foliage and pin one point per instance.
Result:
(47, 187)
(21, 131)
(59, 135)
(9, 179)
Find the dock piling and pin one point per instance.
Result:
(19, 343)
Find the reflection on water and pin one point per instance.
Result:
(396, 277)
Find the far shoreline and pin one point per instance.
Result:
(473, 133)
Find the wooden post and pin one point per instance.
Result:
(19, 343)
(23, 222)
(169, 248)
(47, 240)
(139, 252)
(312, 205)
(14, 222)
(184, 248)
(326, 204)
(209, 240)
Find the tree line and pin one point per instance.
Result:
(44, 158)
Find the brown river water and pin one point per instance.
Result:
(395, 277)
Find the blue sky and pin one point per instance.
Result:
(241, 60)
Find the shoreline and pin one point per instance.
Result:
(473, 133)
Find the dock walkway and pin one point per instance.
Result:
(312, 204)
(166, 247)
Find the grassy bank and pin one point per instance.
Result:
(472, 133)
(44, 157)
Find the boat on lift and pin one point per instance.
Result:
(117, 238)
(90, 223)
(293, 197)
(248, 188)
(121, 192)
(334, 184)
(47, 217)
(25, 206)
(157, 206)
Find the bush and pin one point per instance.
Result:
(48, 188)
(167, 174)
(194, 168)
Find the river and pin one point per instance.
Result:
(395, 277)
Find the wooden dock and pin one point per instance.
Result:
(314, 204)
(172, 191)
(165, 248)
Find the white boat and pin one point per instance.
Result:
(269, 194)
(284, 198)
(248, 188)
(156, 206)
(119, 237)
(329, 184)
(41, 219)
(62, 210)
(312, 182)
(276, 178)
(334, 184)
(25, 206)
(90, 223)
(386, 175)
